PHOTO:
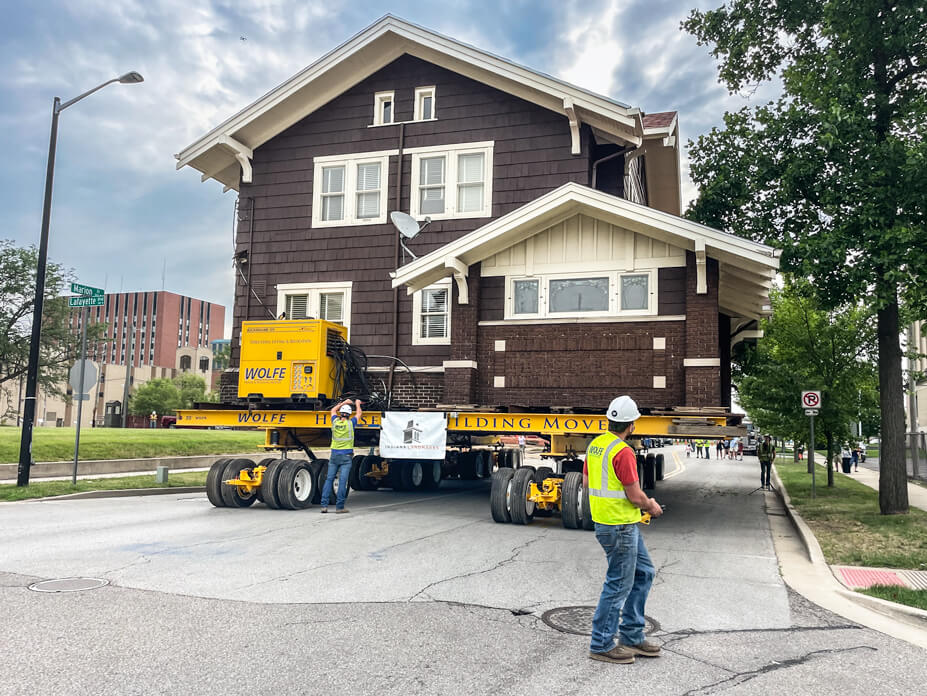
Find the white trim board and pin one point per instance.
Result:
(640, 319)
(701, 362)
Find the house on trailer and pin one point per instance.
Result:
(556, 270)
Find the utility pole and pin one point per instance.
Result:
(80, 395)
(129, 359)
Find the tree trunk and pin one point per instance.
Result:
(893, 474)
(830, 458)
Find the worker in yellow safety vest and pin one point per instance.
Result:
(616, 501)
(344, 420)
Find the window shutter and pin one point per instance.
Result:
(296, 306)
(331, 306)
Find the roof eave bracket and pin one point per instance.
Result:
(575, 143)
(701, 268)
(460, 277)
(242, 153)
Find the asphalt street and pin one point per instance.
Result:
(412, 594)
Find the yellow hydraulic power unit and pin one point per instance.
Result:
(290, 359)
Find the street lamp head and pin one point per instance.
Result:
(131, 78)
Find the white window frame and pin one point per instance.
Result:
(420, 94)
(313, 301)
(417, 339)
(451, 153)
(379, 99)
(350, 164)
(614, 295)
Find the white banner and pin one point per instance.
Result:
(411, 435)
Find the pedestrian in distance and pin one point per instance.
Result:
(688, 449)
(615, 503)
(719, 449)
(766, 452)
(740, 449)
(153, 420)
(339, 462)
(846, 458)
(854, 457)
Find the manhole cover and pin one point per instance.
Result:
(68, 585)
(578, 620)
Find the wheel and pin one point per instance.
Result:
(522, 509)
(571, 500)
(500, 494)
(214, 482)
(432, 471)
(319, 468)
(659, 467)
(640, 469)
(585, 511)
(506, 459)
(235, 496)
(269, 483)
(542, 473)
(260, 491)
(367, 483)
(411, 475)
(468, 465)
(354, 479)
(484, 464)
(296, 485)
(650, 471)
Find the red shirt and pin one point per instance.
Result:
(625, 466)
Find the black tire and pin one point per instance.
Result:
(640, 469)
(650, 472)
(214, 482)
(433, 470)
(356, 463)
(571, 500)
(521, 509)
(542, 473)
(660, 464)
(506, 459)
(484, 469)
(260, 491)
(586, 512)
(467, 465)
(499, 494)
(234, 496)
(367, 483)
(296, 485)
(319, 469)
(269, 484)
(412, 475)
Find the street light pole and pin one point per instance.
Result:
(32, 371)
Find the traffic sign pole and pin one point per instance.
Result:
(811, 457)
(80, 401)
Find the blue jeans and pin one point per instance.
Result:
(339, 463)
(627, 583)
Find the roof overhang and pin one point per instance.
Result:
(747, 269)
(369, 51)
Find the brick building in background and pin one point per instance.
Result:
(172, 334)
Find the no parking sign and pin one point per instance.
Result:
(810, 399)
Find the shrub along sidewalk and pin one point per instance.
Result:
(45, 489)
(57, 444)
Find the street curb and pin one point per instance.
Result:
(899, 612)
(124, 493)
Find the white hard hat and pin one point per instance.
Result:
(622, 410)
(344, 409)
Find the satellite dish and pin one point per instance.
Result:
(408, 227)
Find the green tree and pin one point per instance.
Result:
(222, 357)
(832, 172)
(192, 388)
(807, 347)
(60, 345)
(159, 395)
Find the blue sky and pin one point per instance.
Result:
(121, 209)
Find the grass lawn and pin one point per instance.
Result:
(44, 489)
(847, 523)
(57, 444)
(901, 595)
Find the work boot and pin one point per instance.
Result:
(341, 511)
(324, 510)
(619, 654)
(647, 648)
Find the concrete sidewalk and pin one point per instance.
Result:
(917, 495)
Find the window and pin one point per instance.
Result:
(424, 104)
(329, 301)
(350, 189)
(382, 108)
(185, 362)
(581, 295)
(452, 181)
(204, 364)
(431, 314)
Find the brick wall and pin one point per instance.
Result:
(228, 386)
(426, 391)
(703, 384)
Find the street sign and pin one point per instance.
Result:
(90, 377)
(811, 412)
(94, 301)
(79, 289)
(80, 397)
(810, 399)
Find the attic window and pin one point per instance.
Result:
(383, 108)
(424, 104)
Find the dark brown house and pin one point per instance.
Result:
(555, 271)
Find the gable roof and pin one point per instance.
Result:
(662, 120)
(747, 268)
(219, 153)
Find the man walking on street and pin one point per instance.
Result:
(615, 502)
(342, 453)
(766, 452)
